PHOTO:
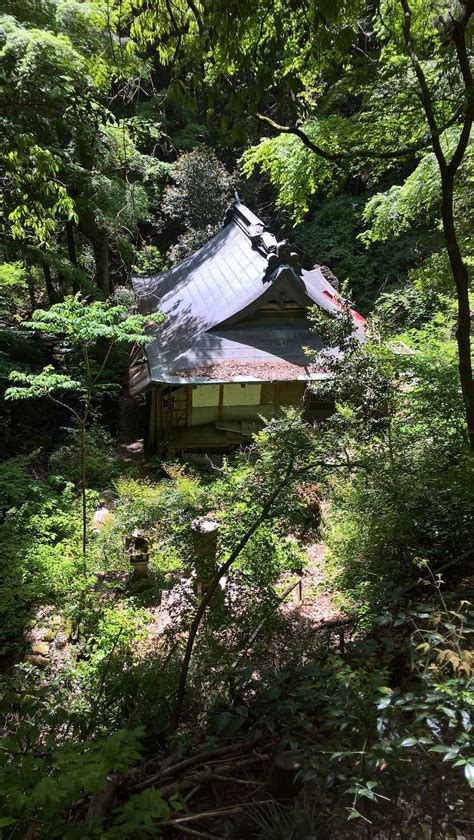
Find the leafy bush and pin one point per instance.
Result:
(39, 550)
(101, 461)
(407, 491)
(381, 523)
(393, 710)
(149, 260)
(13, 289)
(44, 785)
(197, 199)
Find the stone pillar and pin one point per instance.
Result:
(204, 533)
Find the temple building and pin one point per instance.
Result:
(233, 346)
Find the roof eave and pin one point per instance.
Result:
(203, 380)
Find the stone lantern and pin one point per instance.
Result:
(138, 550)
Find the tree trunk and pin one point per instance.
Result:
(102, 267)
(52, 296)
(461, 280)
(83, 489)
(31, 289)
(71, 250)
(100, 244)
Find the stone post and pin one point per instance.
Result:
(204, 533)
(283, 782)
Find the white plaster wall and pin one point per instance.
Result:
(245, 394)
(205, 395)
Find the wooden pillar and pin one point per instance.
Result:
(189, 418)
(152, 431)
(159, 417)
(220, 409)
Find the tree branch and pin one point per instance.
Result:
(459, 38)
(336, 157)
(212, 588)
(63, 405)
(196, 14)
(235, 809)
(106, 358)
(458, 155)
(424, 89)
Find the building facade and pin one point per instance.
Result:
(233, 347)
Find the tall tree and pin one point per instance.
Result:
(88, 334)
(73, 172)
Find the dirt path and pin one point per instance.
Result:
(317, 605)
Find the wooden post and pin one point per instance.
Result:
(220, 410)
(152, 422)
(189, 418)
(159, 418)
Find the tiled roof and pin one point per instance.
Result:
(239, 269)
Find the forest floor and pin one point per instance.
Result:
(51, 643)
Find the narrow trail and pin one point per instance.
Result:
(317, 605)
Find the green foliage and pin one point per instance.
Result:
(16, 351)
(414, 304)
(79, 167)
(368, 733)
(149, 260)
(33, 172)
(197, 198)
(417, 200)
(87, 151)
(82, 325)
(400, 207)
(408, 494)
(331, 237)
(15, 484)
(39, 546)
(268, 554)
(43, 786)
(114, 669)
(81, 328)
(295, 172)
(35, 385)
(190, 136)
(138, 816)
(102, 464)
(12, 288)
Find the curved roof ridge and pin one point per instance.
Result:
(240, 268)
(230, 273)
